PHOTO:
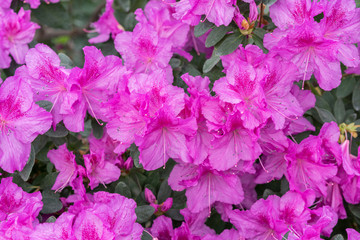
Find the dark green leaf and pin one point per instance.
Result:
(144, 213)
(339, 110)
(122, 189)
(210, 63)
(51, 201)
(52, 15)
(164, 192)
(66, 61)
(216, 35)
(97, 130)
(346, 87)
(337, 237)
(202, 28)
(45, 105)
(325, 115)
(356, 96)
(25, 173)
(229, 44)
(60, 132)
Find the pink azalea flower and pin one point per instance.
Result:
(236, 144)
(205, 186)
(93, 84)
(287, 13)
(65, 163)
(61, 229)
(312, 162)
(352, 234)
(16, 31)
(36, 3)
(354, 70)
(106, 26)
(158, 207)
(350, 163)
(99, 170)
(242, 87)
(17, 204)
(21, 121)
(317, 47)
(219, 12)
(165, 138)
(48, 79)
(258, 224)
(159, 14)
(143, 49)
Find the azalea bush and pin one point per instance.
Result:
(190, 119)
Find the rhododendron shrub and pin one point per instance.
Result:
(190, 119)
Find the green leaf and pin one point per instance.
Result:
(337, 237)
(49, 180)
(60, 132)
(52, 203)
(146, 236)
(144, 213)
(124, 4)
(87, 129)
(258, 37)
(52, 15)
(66, 61)
(346, 87)
(122, 189)
(355, 210)
(339, 110)
(134, 154)
(45, 105)
(97, 129)
(51, 219)
(325, 115)
(202, 28)
(269, 2)
(216, 35)
(356, 96)
(164, 192)
(322, 103)
(210, 63)
(174, 214)
(25, 173)
(229, 44)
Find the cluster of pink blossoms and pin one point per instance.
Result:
(224, 143)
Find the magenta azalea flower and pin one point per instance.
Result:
(21, 120)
